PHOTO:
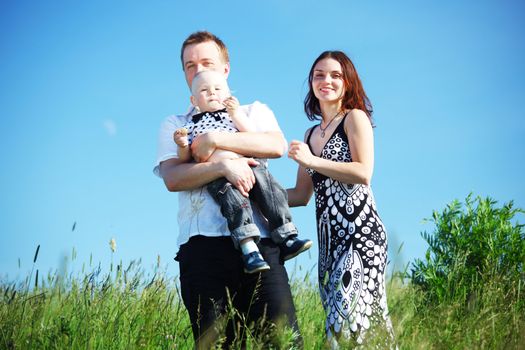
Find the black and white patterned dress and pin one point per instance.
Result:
(352, 250)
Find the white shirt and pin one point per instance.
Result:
(199, 214)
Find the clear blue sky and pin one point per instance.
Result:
(84, 87)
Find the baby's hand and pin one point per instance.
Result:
(232, 104)
(180, 136)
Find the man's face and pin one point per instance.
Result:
(203, 56)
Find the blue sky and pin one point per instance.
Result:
(84, 87)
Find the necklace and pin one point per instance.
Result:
(326, 127)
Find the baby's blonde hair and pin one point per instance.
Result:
(199, 77)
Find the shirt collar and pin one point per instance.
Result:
(216, 114)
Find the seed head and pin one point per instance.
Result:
(112, 245)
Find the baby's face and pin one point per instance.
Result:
(209, 90)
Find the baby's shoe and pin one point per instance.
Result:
(254, 262)
(294, 246)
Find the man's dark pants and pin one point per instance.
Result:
(211, 272)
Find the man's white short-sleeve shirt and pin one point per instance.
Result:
(198, 213)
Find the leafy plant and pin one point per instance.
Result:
(474, 244)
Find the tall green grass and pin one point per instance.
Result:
(129, 310)
(124, 309)
(464, 302)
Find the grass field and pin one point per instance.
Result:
(468, 293)
(126, 309)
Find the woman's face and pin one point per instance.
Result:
(327, 80)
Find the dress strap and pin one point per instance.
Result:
(343, 121)
(309, 136)
(341, 126)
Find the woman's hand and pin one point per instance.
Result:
(300, 152)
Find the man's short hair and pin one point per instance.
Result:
(201, 37)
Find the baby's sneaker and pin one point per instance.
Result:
(294, 246)
(254, 262)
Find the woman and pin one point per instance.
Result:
(336, 161)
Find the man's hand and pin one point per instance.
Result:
(239, 173)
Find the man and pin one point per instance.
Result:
(211, 270)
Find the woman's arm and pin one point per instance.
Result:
(361, 142)
(302, 192)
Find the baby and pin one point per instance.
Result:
(219, 111)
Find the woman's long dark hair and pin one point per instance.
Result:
(354, 94)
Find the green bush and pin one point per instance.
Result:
(474, 245)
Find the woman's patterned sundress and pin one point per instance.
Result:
(352, 250)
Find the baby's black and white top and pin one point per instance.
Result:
(206, 122)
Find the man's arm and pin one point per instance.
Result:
(180, 176)
(269, 144)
